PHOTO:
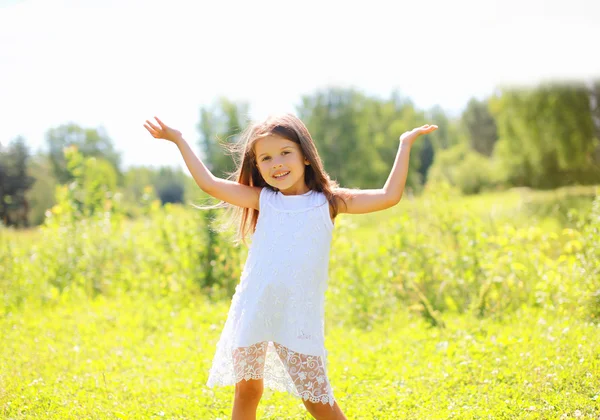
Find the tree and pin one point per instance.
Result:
(220, 124)
(594, 91)
(89, 142)
(170, 185)
(358, 136)
(547, 135)
(464, 168)
(334, 117)
(136, 181)
(445, 136)
(14, 183)
(426, 157)
(41, 196)
(481, 127)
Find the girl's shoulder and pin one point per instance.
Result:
(263, 196)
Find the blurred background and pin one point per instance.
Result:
(478, 296)
(513, 86)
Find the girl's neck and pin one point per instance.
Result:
(302, 190)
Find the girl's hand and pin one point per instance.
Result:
(163, 131)
(410, 136)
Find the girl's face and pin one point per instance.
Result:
(281, 163)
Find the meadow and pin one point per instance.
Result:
(444, 307)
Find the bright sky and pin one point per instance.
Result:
(116, 63)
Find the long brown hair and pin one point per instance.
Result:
(291, 128)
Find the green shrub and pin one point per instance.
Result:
(466, 169)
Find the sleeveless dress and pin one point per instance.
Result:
(275, 326)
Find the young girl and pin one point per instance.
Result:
(274, 333)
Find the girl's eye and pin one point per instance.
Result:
(268, 157)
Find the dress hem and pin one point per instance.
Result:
(324, 399)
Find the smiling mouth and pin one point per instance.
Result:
(281, 176)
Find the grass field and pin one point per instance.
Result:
(136, 360)
(415, 327)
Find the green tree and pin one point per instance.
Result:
(99, 182)
(136, 180)
(464, 168)
(594, 90)
(426, 157)
(169, 185)
(14, 183)
(547, 135)
(446, 135)
(358, 136)
(480, 126)
(336, 120)
(94, 181)
(220, 124)
(41, 196)
(90, 142)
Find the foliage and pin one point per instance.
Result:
(93, 181)
(14, 183)
(587, 260)
(439, 256)
(220, 125)
(41, 196)
(547, 136)
(481, 127)
(544, 136)
(508, 297)
(90, 142)
(139, 358)
(88, 248)
(357, 136)
(169, 185)
(449, 131)
(471, 172)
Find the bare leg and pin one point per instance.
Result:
(248, 362)
(247, 397)
(321, 411)
(309, 377)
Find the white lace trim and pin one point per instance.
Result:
(282, 369)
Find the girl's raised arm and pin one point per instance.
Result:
(229, 191)
(367, 201)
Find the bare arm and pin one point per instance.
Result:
(229, 191)
(222, 189)
(367, 201)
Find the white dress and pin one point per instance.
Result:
(275, 325)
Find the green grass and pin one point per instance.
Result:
(125, 359)
(112, 319)
(523, 206)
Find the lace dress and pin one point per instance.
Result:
(275, 325)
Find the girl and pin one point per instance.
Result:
(274, 333)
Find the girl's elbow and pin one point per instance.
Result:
(395, 200)
(391, 202)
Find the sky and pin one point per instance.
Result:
(116, 63)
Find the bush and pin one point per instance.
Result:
(470, 171)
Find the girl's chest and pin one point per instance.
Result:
(281, 229)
